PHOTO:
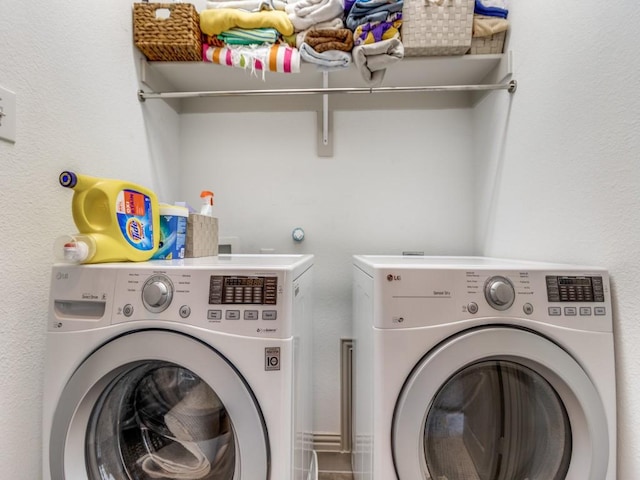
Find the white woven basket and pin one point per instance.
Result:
(437, 27)
(488, 45)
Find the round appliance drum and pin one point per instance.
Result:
(499, 403)
(157, 404)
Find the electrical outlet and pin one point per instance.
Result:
(7, 115)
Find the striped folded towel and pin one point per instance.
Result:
(249, 36)
(271, 58)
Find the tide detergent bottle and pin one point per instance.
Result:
(116, 220)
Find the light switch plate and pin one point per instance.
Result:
(7, 115)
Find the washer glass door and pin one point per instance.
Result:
(497, 420)
(160, 420)
(158, 405)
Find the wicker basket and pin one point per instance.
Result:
(486, 45)
(429, 29)
(176, 38)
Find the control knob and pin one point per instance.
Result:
(157, 293)
(499, 292)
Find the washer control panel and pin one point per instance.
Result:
(242, 290)
(246, 303)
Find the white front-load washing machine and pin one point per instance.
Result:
(186, 369)
(472, 368)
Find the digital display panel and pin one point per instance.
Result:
(242, 290)
(575, 289)
(574, 281)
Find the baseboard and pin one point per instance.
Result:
(327, 442)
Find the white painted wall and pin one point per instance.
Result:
(396, 183)
(559, 178)
(73, 69)
(569, 132)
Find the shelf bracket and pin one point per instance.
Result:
(325, 122)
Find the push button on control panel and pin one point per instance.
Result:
(127, 310)
(269, 315)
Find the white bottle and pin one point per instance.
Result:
(207, 203)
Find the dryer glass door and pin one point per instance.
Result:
(497, 420)
(499, 403)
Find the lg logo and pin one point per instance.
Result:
(391, 278)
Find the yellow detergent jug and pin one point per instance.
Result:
(116, 220)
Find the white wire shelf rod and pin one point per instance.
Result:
(509, 86)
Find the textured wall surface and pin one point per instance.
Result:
(556, 174)
(391, 186)
(73, 70)
(559, 177)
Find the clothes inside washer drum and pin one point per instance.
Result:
(197, 426)
(460, 466)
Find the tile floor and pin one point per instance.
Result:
(334, 466)
(334, 476)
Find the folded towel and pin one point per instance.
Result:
(484, 26)
(184, 460)
(334, 23)
(373, 59)
(503, 4)
(197, 416)
(249, 36)
(378, 31)
(481, 9)
(249, 5)
(306, 13)
(272, 58)
(216, 21)
(328, 60)
(212, 40)
(330, 39)
(195, 426)
(369, 11)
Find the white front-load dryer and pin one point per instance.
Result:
(473, 368)
(185, 369)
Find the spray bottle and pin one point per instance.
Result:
(116, 221)
(207, 203)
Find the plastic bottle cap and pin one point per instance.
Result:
(76, 252)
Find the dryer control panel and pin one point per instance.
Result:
(575, 288)
(416, 293)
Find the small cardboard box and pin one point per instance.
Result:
(202, 236)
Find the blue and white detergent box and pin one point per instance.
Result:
(173, 232)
